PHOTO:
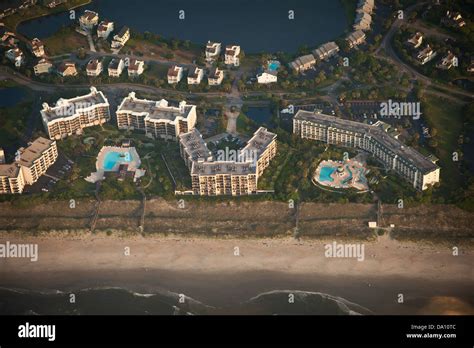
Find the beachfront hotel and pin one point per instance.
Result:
(237, 177)
(156, 118)
(71, 116)
(31, 163)
(405, 161)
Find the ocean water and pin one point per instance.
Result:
(118, 301)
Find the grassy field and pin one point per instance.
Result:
(446, 117)
(66, 40)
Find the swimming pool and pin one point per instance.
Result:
(325, 174)
(113, 158)
(273, 65)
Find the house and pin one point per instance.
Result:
(94, 67)
(116, 67)
(425, 55)
(470, 68)
(213, 49)
(355, 38)
(215, 76)
(195, 75)
(44, 66)
(175, 74)
(89, 20)
(16, 56)
(67, 69)
(267, 76)
(121, 38)
(416, 40)
(104, 29)
(36, 47)
(448, 62)
(453, 19)
(232, 55)
(52, 3)
(326, 50)
(2, 156)
(135, 67)
(367, 5)
(303, 63)
(7, 37)
(363, 21)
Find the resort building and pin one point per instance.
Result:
(355, 38)
(44, 66)
(94, 67)
(303, 63)
(231, 177)
(31, 163)
(267, 76)
(89, 20)
(121, 38)
(448, 61)
(116, 67)
(36, 47)
(425, 55)
(104, 29)
(215, 76)
(175, 74)
(11, 179)
(231, 56)
(67, 69)
(71, 116)
(213, 49)
(326, 50)
(16, 56)
(37, 158)
(135, 67)
(195, 75)
(416, 40)
(192, 148)
(156, 119)
(403, 160)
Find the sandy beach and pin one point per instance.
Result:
(431, 279)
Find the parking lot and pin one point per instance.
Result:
(58, 171)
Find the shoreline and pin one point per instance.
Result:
(208, 271)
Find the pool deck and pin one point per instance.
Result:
(133, 165)
(350, 176)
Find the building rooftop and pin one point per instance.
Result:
(227, 167)
(9, 170)
(34, 151)
(376, 132)
(63, 106)
(157, 110)
(194, 145)
(259, 141)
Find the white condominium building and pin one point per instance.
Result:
(121, 38)
(175, 74)
(135, 67)
(32, 162)
(71, 116)
(116, 67)
(94, 67)
(195, 75)
(104, 29)
(215, 76)
(232, 55)
(405, 161)
(89, 20)
(234, 177)
(156, 118)
(213, 49)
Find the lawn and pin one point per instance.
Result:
(65, 41)
(446, 117)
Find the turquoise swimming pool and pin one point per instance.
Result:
(325, 174)
(113, 158)
(273, 65)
